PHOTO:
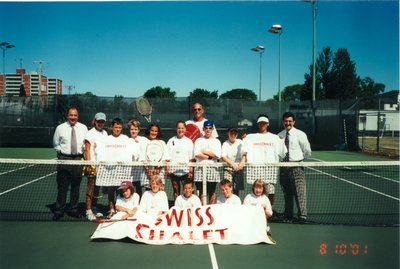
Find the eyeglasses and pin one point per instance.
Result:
(196, 109)
(208, 127)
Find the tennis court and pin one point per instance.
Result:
(64, 244)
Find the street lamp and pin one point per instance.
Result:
(4, 46)
(277, 29)
(259, 49)
(314, 10)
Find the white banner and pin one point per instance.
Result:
(221, 224)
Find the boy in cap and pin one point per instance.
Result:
(92, 136)
(207, 150)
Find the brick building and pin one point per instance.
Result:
(34, 84)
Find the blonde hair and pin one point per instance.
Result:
(157, 179)
(135, 123)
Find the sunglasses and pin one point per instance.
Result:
(196, 109)
(209, 127)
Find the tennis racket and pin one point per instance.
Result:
(192, 132)
(111, 220)
(143, 106)
(154, 151)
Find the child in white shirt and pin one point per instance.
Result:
(187, 199)
(155, 200)
(127, 202)
(227, 196)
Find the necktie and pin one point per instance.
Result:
(74, 148)
(286, 159)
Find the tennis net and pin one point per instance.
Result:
(348, 193)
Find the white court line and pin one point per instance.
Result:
(10, 171)
(212, 256)
(355, 184)
(389, 179)
(367, 173)
(30, 182)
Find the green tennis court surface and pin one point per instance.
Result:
(45, 244)
(67, 245)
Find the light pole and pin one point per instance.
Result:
(259, 49)
(278, 29)
(4, 46)
(314, 10)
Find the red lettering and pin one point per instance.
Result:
(199, 216)
(177, 234)
(153, 234)
(222, 233)
(139, 227)
(161, 234)
(174, 215)
(209, 216)
(158, 221)
(205, 235)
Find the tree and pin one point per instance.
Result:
(369, 88)
(89, 94)
(345, 82)
(337, 78)
(291, 93)
(159, 92)
(324, 75)
(202, 93)
(323, 79)
(242, 94)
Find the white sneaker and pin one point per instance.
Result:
(90, 216)
(111, 213)
(97, 213)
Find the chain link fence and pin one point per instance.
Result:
(370, 124)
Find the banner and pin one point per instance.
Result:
(221, 224)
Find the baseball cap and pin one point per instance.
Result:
(262, 119)
(100, 116)
(208, 123)
(125, 184)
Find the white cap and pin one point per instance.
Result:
(100, 116)
(262, 119)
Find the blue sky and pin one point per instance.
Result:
(125, 48)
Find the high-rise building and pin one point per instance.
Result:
(34, 84)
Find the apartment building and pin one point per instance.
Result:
(34, 84)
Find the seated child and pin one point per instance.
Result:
(187, 199)
(227, 196)
(127, 201)
(155, 200)
(259, 197)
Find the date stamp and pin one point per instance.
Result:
(343, 249)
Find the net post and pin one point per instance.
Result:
(204, 182)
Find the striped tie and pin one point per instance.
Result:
(286, 159)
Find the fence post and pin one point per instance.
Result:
(377, 124)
